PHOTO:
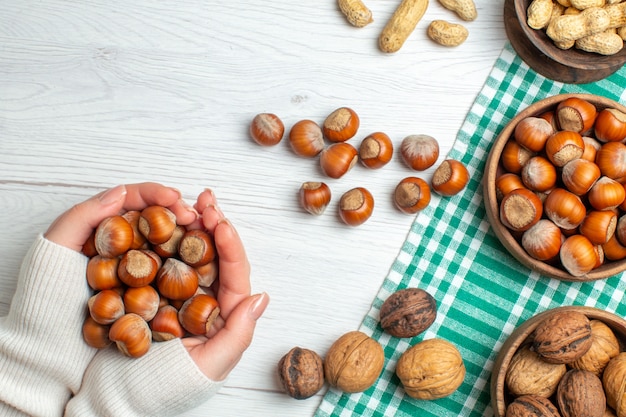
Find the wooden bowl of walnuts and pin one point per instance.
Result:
(549, 361)
(595, 53)
(554, 187)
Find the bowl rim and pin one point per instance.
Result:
(492, 205)
(521, 333)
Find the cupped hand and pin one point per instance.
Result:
(72, 228)
(217, 354)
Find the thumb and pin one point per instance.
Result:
(72, 228)
(220, 354)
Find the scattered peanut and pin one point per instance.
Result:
(617, 15)
(539, 13)
(466, 9)
(401, 25)
(356, 12)
(446, 33)
(603, 43)
(564, 3)
(572, 27)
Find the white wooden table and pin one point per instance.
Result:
(93, 94)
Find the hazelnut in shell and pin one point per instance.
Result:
(356, 206)
(306, 138)
(314, 197)
(354, 362)
(411, 195)
(419, 152)
(431, 369)
(113, 236)
(408, 312)
(450, 178)
(301, 373)
(376, 150)
(267, 129)
(337, 159)
(341, 125)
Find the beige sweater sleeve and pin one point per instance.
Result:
(46, 369)
(42, 354)
(164, 382)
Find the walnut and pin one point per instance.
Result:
(580, 393)
(354, 362)
(431, 369)
(408, 312)
(562, 337)
(614, 382)
(301, 373)
(531, 405)
(604, 347)
(528, 374)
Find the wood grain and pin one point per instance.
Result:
(96, 94)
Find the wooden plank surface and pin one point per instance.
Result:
(93, 94)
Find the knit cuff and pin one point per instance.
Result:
(164, 382)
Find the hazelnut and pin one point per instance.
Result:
(431, 369)
(562, 337)
(341, 125)
(408, 312)
(301, 373)
(354, 362)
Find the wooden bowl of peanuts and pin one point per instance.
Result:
(532, 196)
(565, 43)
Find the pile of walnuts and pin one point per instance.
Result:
(570, 365)
(428, 370)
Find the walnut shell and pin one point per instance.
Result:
(354, 362)
(562, 337)
(580, 393)
(614, 382)
(532, 405)
(408, 312)
(431, 369)
(301, 373)
(528, 374)
(604, 347)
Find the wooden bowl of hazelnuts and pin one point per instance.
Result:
(554, 187)
(567, 361)
(566, 43)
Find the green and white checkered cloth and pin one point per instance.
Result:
(482, 292)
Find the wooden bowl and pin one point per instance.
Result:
(492, 206)
(500, 398)
(539, 52)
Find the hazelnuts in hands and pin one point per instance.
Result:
(151, 290)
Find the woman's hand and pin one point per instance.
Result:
(72, 228)
(217, 354)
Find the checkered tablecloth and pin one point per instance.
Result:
(482, 292)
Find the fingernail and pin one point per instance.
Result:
(258, 306)
(218, 211)
(113, 195)
(189, 208)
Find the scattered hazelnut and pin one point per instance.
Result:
(341, 125)
(411, 195)
(267, 129)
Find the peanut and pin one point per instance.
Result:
(617, 15)
(402, 23)
(539, 13)
(603, 43)
(356, 12)
(585, 4)
(565, 3)
(557, 10)
(621, 31)
(446, 33)
(572, 27)
(466, 9)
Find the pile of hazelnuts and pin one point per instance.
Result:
(561, 189)
(151, 280)
(329, 142)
